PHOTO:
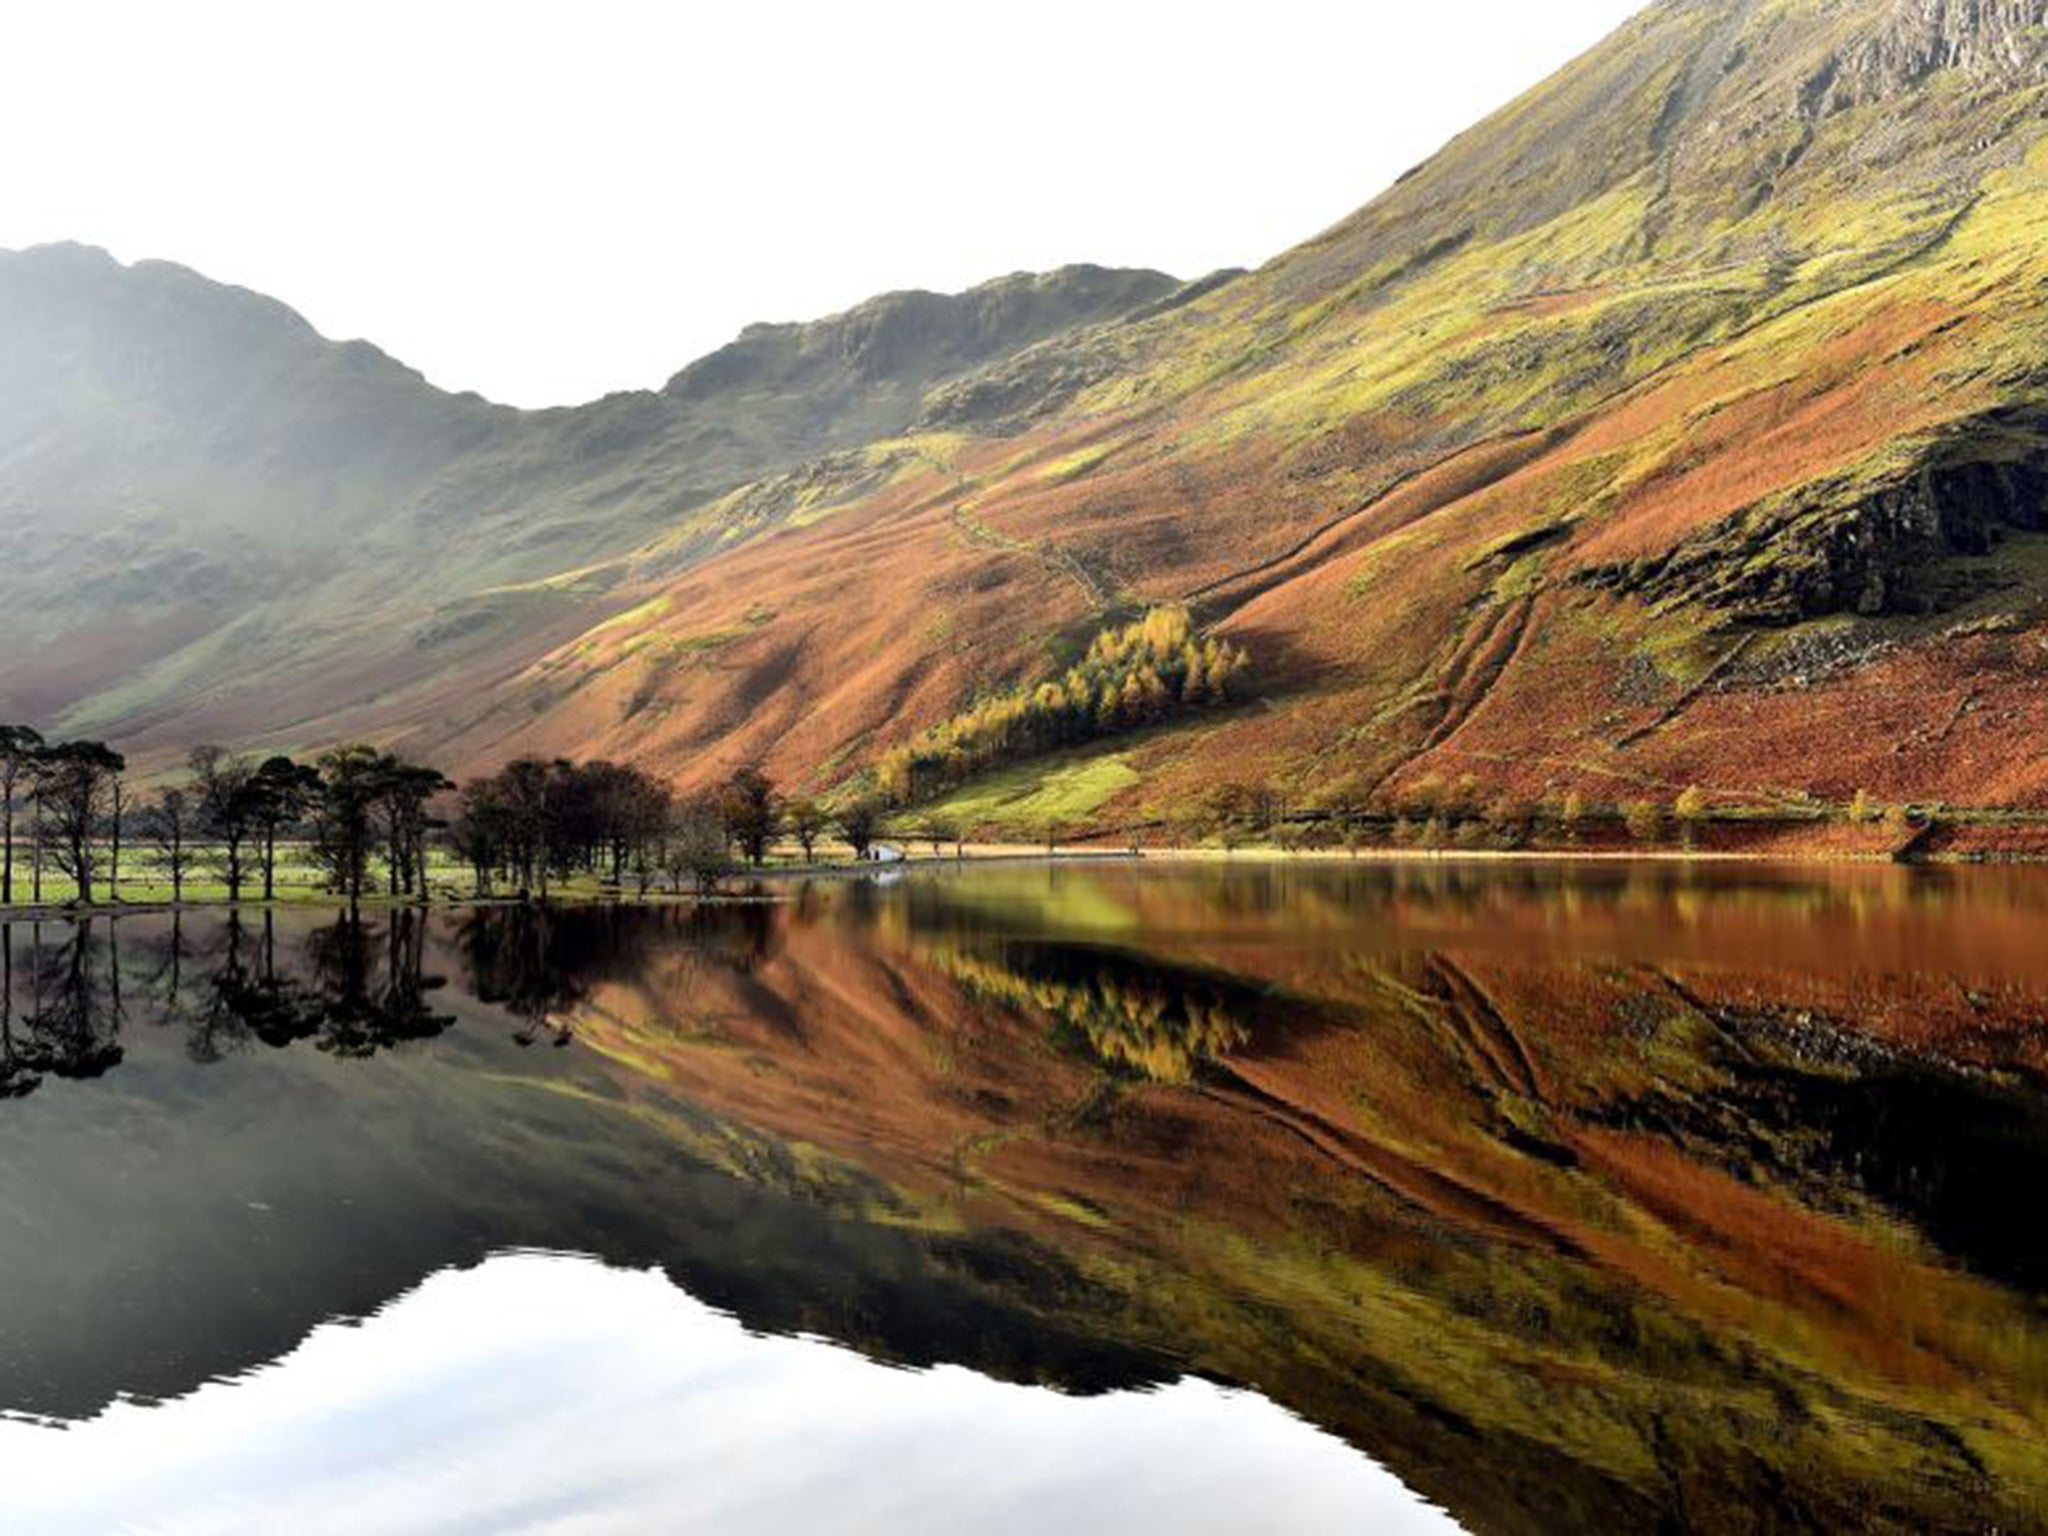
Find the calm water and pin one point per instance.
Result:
(1023, 1200)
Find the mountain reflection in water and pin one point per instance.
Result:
(1634, 1196)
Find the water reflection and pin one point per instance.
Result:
(492, 1430)
(1622, 1196)
(68, 997)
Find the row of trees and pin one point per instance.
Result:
(228, 816)
(361, 816)
(1433, 812)
(71, 790)
(350, 810)
(537, 822)
(1133, 676)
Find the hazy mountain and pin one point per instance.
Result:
(1679, 423)
(207, 510)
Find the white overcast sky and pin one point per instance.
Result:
(544, 202)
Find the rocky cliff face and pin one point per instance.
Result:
(1896, 543)
(1990, 41)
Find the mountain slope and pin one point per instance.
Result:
(1678, 424)
(213, 519)
(1681, 423)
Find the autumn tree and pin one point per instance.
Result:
(1645, 820)
(1571, 813)
(1132, 676)
(1425, 797)
(1234, 809)
(1691, 809)
(1511, 818)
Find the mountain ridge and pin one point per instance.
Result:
(200, 447)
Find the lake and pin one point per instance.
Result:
(1249, 1197)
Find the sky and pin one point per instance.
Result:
(546, 202)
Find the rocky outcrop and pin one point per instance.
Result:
(1857, 547)
(1994, 39)
(1017, 391)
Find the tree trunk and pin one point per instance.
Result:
(177, 954)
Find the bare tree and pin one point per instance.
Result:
(38, 830)
(18, 749)
(697, 847)
(117, 815)
(167, 826)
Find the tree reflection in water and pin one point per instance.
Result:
(353, 987)
(68, 992)
(1151, 1020)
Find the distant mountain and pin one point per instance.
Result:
(213, 518)
(1681, 423)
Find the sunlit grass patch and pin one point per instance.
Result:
(1051, 792)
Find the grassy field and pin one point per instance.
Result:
(144, 882)
(1024, 802)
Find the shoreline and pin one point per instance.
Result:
(994, 856)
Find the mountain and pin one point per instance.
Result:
(1680, 423)
(215, 521)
